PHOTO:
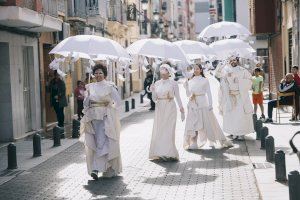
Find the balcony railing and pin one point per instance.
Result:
(114, 13)
(50, 7)
(28, 4)
(61, 6)
(78, 9)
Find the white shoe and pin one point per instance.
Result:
(193, 146)
(211, 144)
(226, 144)
(109, 173)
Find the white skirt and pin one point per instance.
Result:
(163, 134)
(202, 123)
(236, 121)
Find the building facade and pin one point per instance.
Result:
(21, 25)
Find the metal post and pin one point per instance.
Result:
(37, 145)
(12, 156)
(258, 126)
(126, 106)
(280, 168)
(75, 128)
(132, 103)
(141, 98)
(294, 185)
(56, 136)
(264, 132)
(270, 148)
(254, 117)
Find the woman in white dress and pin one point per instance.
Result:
(100, 126)
(163, 135)
(201, 123)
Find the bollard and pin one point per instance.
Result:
(270, 148)
(126, 106)
(36, 145)
(12, 156)
(264, 132)
(258, 126)
(294, 185)
(280, 168)
(75, 128)
(132, 103)
(56, 136)
(254, 117)
(141, 98)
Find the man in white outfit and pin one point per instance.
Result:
(234, 100)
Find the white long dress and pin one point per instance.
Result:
(201, 123)
(234, 101)
(100, 128)
(163, 134)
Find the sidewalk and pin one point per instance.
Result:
(265, 173)
(24, 147)
(282, 133)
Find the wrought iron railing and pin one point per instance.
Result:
(50, 7)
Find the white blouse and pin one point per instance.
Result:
(167, 89)
(103, 91)
(198, 90)
(236, 73)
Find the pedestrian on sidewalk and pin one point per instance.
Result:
(58, 98)
(147, 83)
(234, 101)
(257, 92)
(201, 123)
(286, 85)
(163, 135)
(79, 94)
(100, 126)
(295, 71)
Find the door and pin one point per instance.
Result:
(28, 65)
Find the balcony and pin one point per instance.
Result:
(77, 10)
(115, 14)
(26, 15)
(50, 7)
(61, 8)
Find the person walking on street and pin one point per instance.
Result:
(257, 92)
(100, 126)
(163, 134)
(58, 98)
(234, 101)
(79, 94)
(147, 83)
(201, 123)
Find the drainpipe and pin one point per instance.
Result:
(43, 124)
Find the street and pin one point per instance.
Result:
(201, 174)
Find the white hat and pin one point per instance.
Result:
(233, 55)
(168, 68)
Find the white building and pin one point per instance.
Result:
(202, 16)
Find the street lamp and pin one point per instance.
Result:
(144, 4)
(156, 15)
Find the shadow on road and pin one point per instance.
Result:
(105, 188)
